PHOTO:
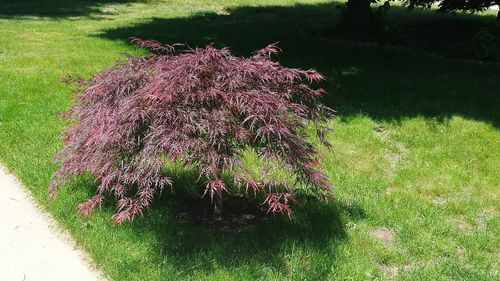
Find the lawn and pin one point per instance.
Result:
(416, 144)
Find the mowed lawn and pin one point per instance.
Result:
(415, 159)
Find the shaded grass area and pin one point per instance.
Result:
(58, 8)
(370, 76)
(415, 155)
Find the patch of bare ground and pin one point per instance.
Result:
(462, 225)
(385, 235)
(439, 199)
(391, 189)
(380, 131)
(238, 214)
(390, 271)
(399, 150)
(485, 215)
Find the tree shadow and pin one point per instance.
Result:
(55, 8)
(186, 239)
(266, 243)
(387, 83)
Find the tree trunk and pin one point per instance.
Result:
(217, 207)
(498, 14)
(358, 17)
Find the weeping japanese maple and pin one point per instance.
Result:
(200, 107)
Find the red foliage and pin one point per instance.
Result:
(201, 107)
(279, 202)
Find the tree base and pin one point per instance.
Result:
(218, 208)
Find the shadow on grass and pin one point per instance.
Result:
(54, 8)
(385, 83)
(317, 228)
(266, 243)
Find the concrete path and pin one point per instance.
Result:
(32, 246)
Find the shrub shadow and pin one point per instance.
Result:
(261, 242)
(387, 83)
(265, 243)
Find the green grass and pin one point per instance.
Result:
(416, 143)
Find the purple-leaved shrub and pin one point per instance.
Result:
(200, 107)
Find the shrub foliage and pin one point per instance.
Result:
(201, 107)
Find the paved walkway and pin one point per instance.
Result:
(32, 246)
